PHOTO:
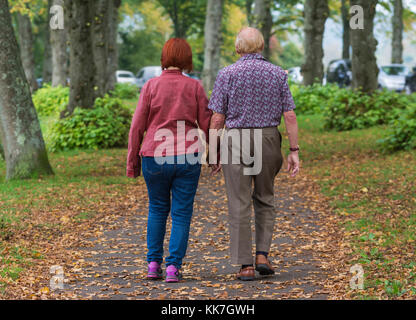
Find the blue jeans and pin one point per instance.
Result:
(180, 179)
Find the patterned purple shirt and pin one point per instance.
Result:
(251, 93)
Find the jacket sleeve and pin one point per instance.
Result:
(137, 130)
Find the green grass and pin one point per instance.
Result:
(374, 196)
(82, 180)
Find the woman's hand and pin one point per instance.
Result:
(293, 163)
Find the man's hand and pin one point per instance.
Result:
(293, 163)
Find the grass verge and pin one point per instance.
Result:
(373, 195)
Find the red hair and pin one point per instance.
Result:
(177, 53)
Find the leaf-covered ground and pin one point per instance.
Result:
(96, 231)
(351, 204)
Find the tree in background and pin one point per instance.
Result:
(82, 65)
(112, 50)
(263, 21)
(364, 45)
(47, 49)
(213, 39)
(22, 140)
(186, 15)
(59, 48)
(143, 38)
(397, 41)
(345, 30)
(26, 45)
(316, 13)
(234, 19)
(104, 43)
(92, 37)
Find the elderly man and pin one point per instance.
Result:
(248, 95)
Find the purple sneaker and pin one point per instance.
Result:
(172, 274)
(154, 271)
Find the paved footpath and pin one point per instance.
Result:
(113, 266)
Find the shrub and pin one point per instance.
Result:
(401, 134)
(125, 91)
(312, 99)
(50, 100)
(104, 126)
(349, 109)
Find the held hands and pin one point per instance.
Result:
(293, 163)
(215, 168)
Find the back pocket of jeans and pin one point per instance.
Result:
(150, 166)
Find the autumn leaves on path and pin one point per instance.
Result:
(113, 265)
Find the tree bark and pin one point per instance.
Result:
(364, 45)
(316, 13)
(47, 54)
(346, 43)
(178, 26)
(112, 63)
(397, 41)
(213, 40)
(26, 49)
(263, 21)
(99, 36)
(59, 53)
(20, 132)
(82, 70)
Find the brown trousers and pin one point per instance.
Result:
(240, 193)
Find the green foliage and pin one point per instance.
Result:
(125, 91)
(312, 99)
(349, 109)
(104, 126)
(401, 134)
(50, 100)
(140, 48)
(290, 56)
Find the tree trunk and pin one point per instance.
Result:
(249, 13)
(263, 21)
(316, 13)
(47, 55)
(59, 53)
(112, 61)
(397, 41)
(20, 132)
(345, 30)
(99, 36)
(82, 70)
(26, 49)
(364, 45)
(213, 40)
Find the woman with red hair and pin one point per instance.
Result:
(170, 109)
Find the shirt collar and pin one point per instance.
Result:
(172, 71)
(252, 56)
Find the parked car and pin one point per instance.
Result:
(126, 77)
(147, 73)
(411, 82)
(295, 74)
(393, 77)
(339, 72)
